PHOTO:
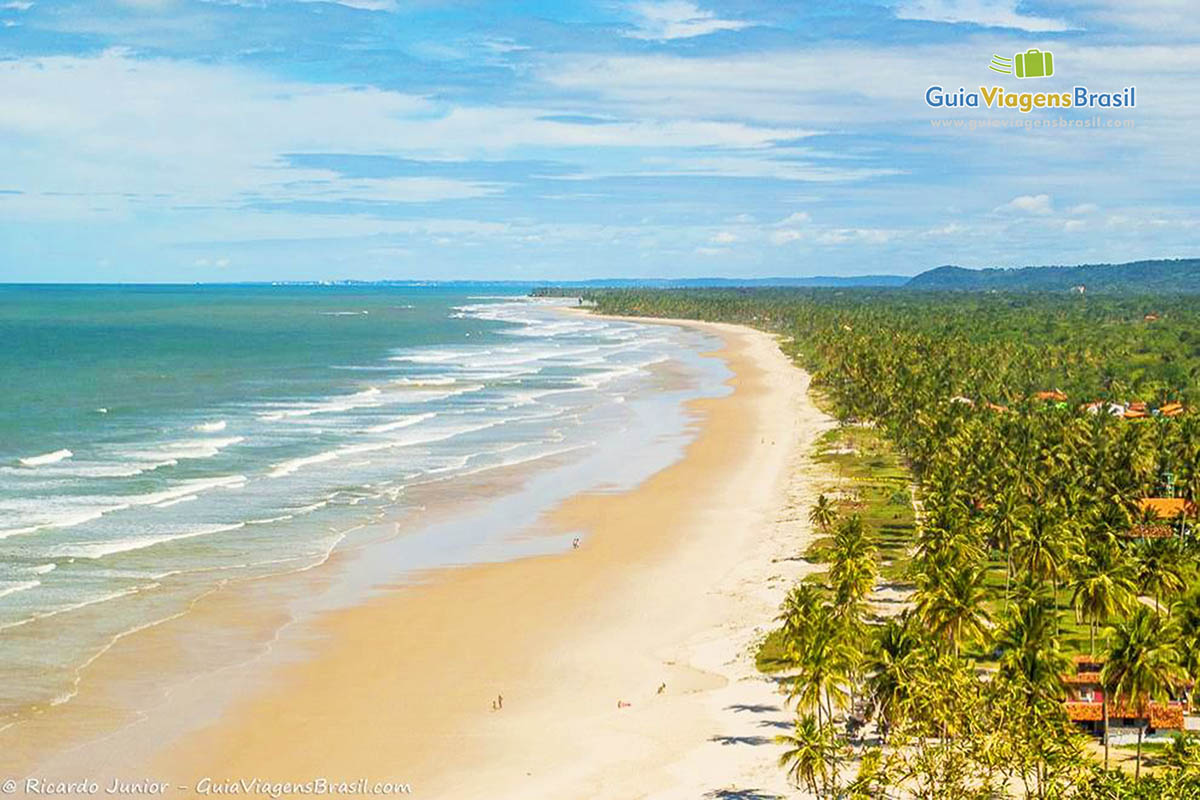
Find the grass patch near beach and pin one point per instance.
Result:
(869, 479)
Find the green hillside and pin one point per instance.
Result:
(1137, 277)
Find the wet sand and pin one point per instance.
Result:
(670, 588)
(626, 666)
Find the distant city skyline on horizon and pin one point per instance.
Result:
(191, 141)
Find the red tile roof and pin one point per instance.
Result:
(1167, 508)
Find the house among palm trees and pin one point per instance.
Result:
(1098, 406)
(1085, 703)
(1137, 410)
(1162, 517)
(1056, 396)
(1170, 410)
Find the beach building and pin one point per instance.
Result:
(1055, 395)
(1137, 411)
(1085, 704)
(1163, 517)
(1170, 410)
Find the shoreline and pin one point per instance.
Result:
(671, 586)
(674, 581)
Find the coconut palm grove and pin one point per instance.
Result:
(1021, 479)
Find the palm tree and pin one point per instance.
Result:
(953, 607)
(1005, 527)
(1186, 618)
(823, 513)
(1159, 571)
(1142, 667)
(822, 662)
(853, 568)
(1030, 655)
(888, 666)
(798, 611)
(1102, 588)
(811, 751)
(1046, 545)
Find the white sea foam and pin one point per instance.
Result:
(434, 394)
(344, 313)
(436, 356)
(66, 517)
(12, 588)
(401, 422)
(186, 449)
(72, 607)
(288, 467)
(366, 398)
(210, 427)
(185, 499)
(47, 458)
(431, 380)
(269, 520)
(191, 487)
(309, 508)
(92, 508)
(42, 569)
(285, 468)
(95, 550)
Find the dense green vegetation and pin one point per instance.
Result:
(1023, 553)
(1138, 277)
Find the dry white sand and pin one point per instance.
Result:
(676, 581)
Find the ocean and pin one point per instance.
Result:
(156, 442)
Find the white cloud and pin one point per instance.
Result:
(791, 228)
(949, 229)
(369, 5)
(795, 218)
(799, 227)
(1083, 208)
(989, 13)
(678, 19)
(1039, 204)
(786, 236)
(724, 237)
(173, 133)
(837, 236)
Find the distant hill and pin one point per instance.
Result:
(692, 283)
(1165, 276)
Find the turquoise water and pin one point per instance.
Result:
(155, 441)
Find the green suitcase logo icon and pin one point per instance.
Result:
(1034, 63)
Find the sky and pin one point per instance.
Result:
(231, 140)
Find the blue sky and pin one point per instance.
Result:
(198, 140)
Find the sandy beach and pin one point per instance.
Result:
(676, 579)
(625, 666)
